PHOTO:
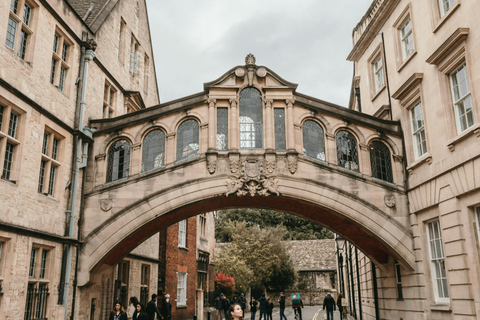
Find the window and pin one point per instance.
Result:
(398, 280)
(181, 288)
(121, 40)
(445, 5)
(2, 260)
(313, 140)
(203, 224)
(279, 124)
(406, 38)
(121, 284)
(133, 55)
(60, 61)
(49, 163)
(38, 279)
(146, 73)
(347, 154)
(187, 140)
(251, 119)
(222, 128)
(202, 271)
(118, 161)
(378, 73)
(19, 30)
(153, 151)
(437, 262)
(477, 215)
(109, 100)
(144, 284)
(380, 161)
(9, 128)
(418, 131)
(462, 98)
(182, 233)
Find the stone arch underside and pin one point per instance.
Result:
(371, 230)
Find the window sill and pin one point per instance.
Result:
(406, 61)
(14, 182)
(181, 306)
(446, 16)
(376, 94)
(441, 307)
(183, 248)
(475, 129)
(427, 157)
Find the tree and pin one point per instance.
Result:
(224, 283)
(296, 228)
(255, 257)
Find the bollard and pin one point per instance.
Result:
(208, 315)
(194, 317)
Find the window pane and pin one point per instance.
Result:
(52, 70)
(347, 154)
(22, 49)
(14, 6)
(313, 140)
(7, 163)
(118, 160)
(380, 161)
(1, 117)
(33, 258)
(438, 269)
(222, 128)
(43, 264)
(41, 178)
(153, 151)
(280, 140)
(51, 183)
(187, 140)
(251, 119)
(55, 149)
(61, 83)
(55, 43)
(64, 52)
(11, 33)
(27, 13)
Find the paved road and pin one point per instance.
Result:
(308, 313)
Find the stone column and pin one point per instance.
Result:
(269, 125)
(211, 124)
(233, 125)
(170, 149)
(135, 159)
(290, 129)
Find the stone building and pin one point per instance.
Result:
(415, 62)
(61, 64)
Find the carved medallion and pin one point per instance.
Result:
(106, 204)
(261, 72)
(390, 200)
(240, 72)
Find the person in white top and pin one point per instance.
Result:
(131, 307)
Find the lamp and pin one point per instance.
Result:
(340, 242)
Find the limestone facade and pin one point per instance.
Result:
(417, 59)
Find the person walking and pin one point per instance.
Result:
(253, 308)
(235, 312)
(243, 303)
(118, 312)
(263, 307)
(329, 305)
(225, 306)
(140, 313)
(166, 307)
(132, 306)
(152, 309)
(340, 305)
(269, 309)
(219, 305)
(281, 303)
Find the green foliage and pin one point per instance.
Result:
(296, 228)
(255, 257)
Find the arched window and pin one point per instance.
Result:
(313, 140)
(251, 119)
(118, 160)
(153, 151)
(347, 154)
(381, 161)
(187, 140)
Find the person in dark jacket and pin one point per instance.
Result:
(152, 308)
(226, 306)
(243, 303)
(219, 305)
(339, 305)
(140, 314)
(263, 307)
(281, 303)
(329, 305)
(166, 307)
(269, 309)
(118, 312)
(253, 308)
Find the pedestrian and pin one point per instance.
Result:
(263, 307)
(132, 306)
(253, 308)
(281, 303)
(225, 305)
(166, 307)
(297, 304)
(243, 303)
(234, 300)
(340, 305)
(152, 309)
(235, 312)
(269, 309)
(329, 305)
(219, 305)
(140, 313)
(118, 313)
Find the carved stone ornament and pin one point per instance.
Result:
(240, 72)
(250, 59)
(234, 165)
(390, 200)
(270, 165)
(292, 163)
(91, 44)
(106, 204)
(222, 165)
(261, 72)
(211, 163)
(252, 181)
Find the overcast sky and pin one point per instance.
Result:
(304, 41)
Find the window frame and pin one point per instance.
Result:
(50, 162)
(182, 290)
(349, 134)
(147, 147)
(62, 52)
(279, 127)
(182, 233)
(134, 49)
(10, 141)
(456, 70)
(477, 219)
(376, 55)
(122, 284)
(403, 57)
(22, 26)
(110, 95)
(111, 158)
(321, 140)
(434, 265)
(222, 128)
(414, 132)
(144, 283)
(182, 154)
(255, 127)
(374, 158)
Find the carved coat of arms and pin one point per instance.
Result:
(252, 181)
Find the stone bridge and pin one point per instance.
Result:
(248, 140)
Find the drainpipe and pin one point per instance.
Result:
(79, 162)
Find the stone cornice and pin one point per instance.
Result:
(442, 51)
(411, 82)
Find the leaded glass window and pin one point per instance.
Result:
(42, 176)
(222, 128)
(347, 154)
(23, 44)
(313, 140)
(153, 152)
(7, 164)
(381, 161)
(280, 141)
(187, 140)
(118, 160)
(251, 119)
(11, 33)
